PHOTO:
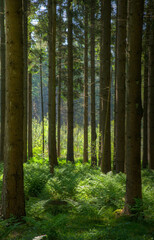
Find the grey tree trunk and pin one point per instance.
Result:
(120, 85)
(93, 124)
(70, 140)
(105, 85)
(13, 188)
(85, 153)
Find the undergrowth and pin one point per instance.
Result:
(78, 203)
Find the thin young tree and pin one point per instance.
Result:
(52, 84)
(105, 85)
(92, 55)
(2, 67)
(13, 188)
(70, 140)
(85, 154)
(120, 84)
(133, 107)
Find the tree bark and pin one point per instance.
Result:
(105, 85)
(146, 74)
(30, 149)
(120, 84)
(2, 50)
(70, 140)
(133, 107)
(151, 94)
(85, 153)
(13, 188)
(93, 124)
(59, 83)
(52, 85)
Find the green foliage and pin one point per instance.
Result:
(35, 178)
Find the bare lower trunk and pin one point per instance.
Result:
(13, 188)
(134, 108)
(30, 151)
(42, 106)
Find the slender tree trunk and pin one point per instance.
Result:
(134, 107)
(93, 124)
(25, 42)
(30, 149)
(70, 140)
(52, 84)
(2, 49)
(42, 102)
(105, 85)
(151, 95)
(59, 83)
(146, 68)
(13, 188)
(120, 84)
(85, 155)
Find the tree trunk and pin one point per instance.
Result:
(105, 85)
(120, 84)
(2, 50)
(146, 67)
(70, 140)
(42, 102)
(93, 124)
(25, 42)
(13, 188)
(52, 85)
(151, 94)
(59, 82)
(85, 155)
(133, 107)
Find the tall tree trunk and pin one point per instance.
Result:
(52, 84)
(30, 149)
(2, 50)
(85, 154)
(134, 107)
(70, 140)
(120, 84)
(105, 85)
(42, 101)
(13, 188)
(151, 94)
(59, 83)
(93, 124)
(25, 42)
(146, 68)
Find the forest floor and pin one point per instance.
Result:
(79, 203)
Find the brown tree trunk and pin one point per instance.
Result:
(42, 105)
(134, 107)
(151, 94)
(120, 84)
(2, 62)
(25, 42)
(59, 83)
(85, 153)
(93, 124)
(13, 188)
(105, 85)
(52, 85)
(146, 68)
(70, 140)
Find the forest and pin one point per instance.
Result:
(77, 119)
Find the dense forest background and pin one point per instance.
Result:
(77, 119)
